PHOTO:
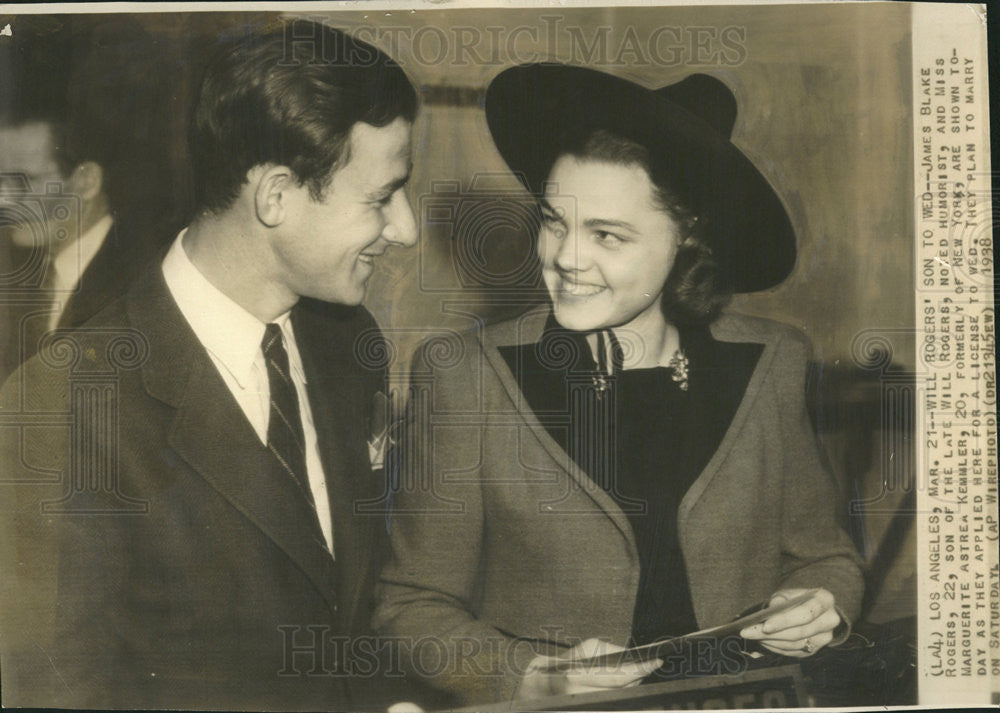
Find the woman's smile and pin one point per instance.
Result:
(575, 289)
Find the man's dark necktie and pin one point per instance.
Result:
(285, 438)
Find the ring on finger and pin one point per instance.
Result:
(809, 647)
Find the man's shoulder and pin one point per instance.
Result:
(102, 343)
(523, 328)
(115, 340)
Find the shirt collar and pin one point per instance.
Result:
(230, 333)
(70, 262)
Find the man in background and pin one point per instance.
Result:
(76, 168)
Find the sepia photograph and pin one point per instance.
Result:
(497, 356)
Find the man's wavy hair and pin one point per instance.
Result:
(289, 97)
(695, 291)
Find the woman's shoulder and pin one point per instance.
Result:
(524, 328)
(446, 349)
(735, 327)
(528, 326)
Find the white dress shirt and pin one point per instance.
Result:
(232, 337)
(70, 263)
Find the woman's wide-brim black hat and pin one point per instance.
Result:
(536, 112)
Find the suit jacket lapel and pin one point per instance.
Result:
(98, 284)
(109, 274)
(246, 474)
(211, 434)
(337, 397)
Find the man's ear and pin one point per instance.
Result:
(87, 180)
(271, 184)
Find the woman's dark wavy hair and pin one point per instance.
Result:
(695, 290)
(289, 97)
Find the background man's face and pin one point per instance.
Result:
(27, 166)
(326, 249)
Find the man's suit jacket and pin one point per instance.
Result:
(188, 572)
(121, 258)
(503, 548)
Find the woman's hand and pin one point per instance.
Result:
(585, 679)
(800, 631)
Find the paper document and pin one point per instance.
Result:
(660, 648)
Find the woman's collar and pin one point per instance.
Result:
(576, 354)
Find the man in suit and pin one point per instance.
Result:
(190, 463)
(61, 237)
(73, 168)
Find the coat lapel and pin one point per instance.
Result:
(120, 258)
(99, 284)
(212, 435)
(528, 332)
(338, 388)
(725, 380)
(246, 474)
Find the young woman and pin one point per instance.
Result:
(626, 462)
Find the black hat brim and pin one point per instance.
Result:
(536, 111)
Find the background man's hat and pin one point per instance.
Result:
(536, 111)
